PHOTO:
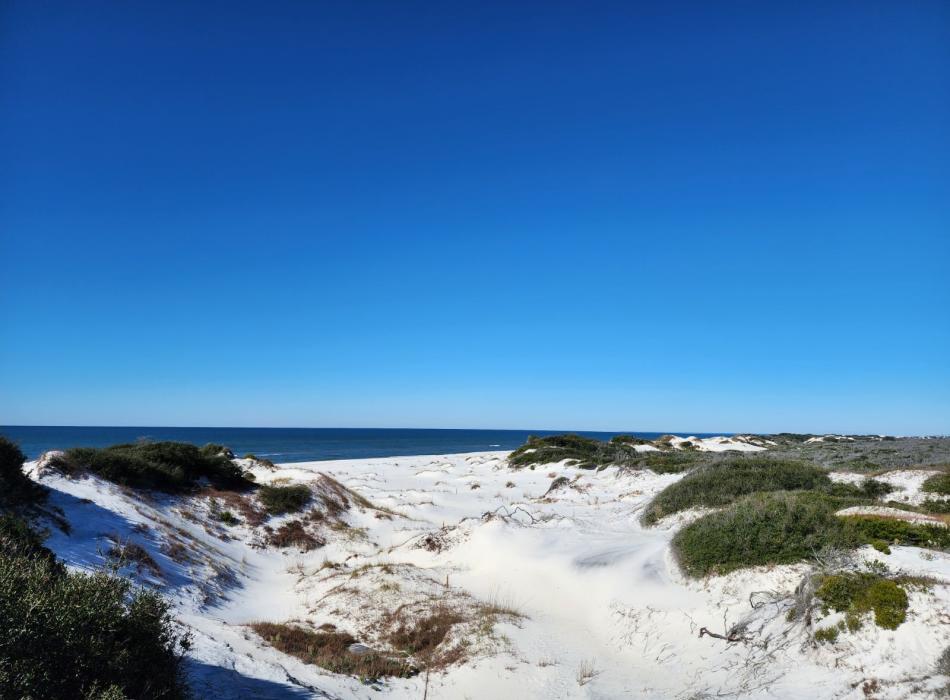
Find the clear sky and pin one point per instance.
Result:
(710, 216)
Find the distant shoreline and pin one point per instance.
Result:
(289, 445)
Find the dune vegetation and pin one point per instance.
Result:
(73, 635)
(172, 467)
(722, 483)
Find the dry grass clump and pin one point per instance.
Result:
(422, 636)
(176, 550)
(587, 671)
(132, 553)
(235, 501)
(330, 649)
(294, 534)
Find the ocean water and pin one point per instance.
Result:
(296, 444)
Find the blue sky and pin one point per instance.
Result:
(644, 216)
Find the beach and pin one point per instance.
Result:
(565, 593)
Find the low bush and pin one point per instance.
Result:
(668, 462)
(938, 483)
(870, 529)
(724, 482)
(330, 649)
(858, 593)
(173, 467)
(73, 635)
(764, 528)
(17, 490)
(284, 499)
(869, 488)
(587, 453)
(827, 635)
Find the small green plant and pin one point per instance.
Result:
(858, 593)
(228, 518)
(827, 635)
(284, 499)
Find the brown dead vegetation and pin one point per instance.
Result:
(294, 534)
(131, 553)
(235, 501)
(330, 649)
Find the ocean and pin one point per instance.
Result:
(296, 444)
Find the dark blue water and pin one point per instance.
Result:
(294, 444)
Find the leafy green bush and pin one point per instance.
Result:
(173, 467)
(722, 483)
(72, 635)
(284, 499)
(938, 483)
(16, 488)
(859, 593)
(764, 528)
(869, 488)
(870, 528)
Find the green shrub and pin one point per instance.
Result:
(668, 462)
(938, 483)
(587, 453)
(173, 467)
(722, 483)
(868, 489)
(17, 490)
(860, 593)
(870, 529)
(764, 528)
(284, 499)
(17, 538)
(72, 635)
(213, 449)
(827, 634)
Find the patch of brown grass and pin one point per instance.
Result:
(177, 551)
(294, 534)
(423, 636)
(329, 649)
(243, 505)
(129, 552)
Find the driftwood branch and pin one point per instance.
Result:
(731, 637)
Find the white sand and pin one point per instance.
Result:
(597, 588)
